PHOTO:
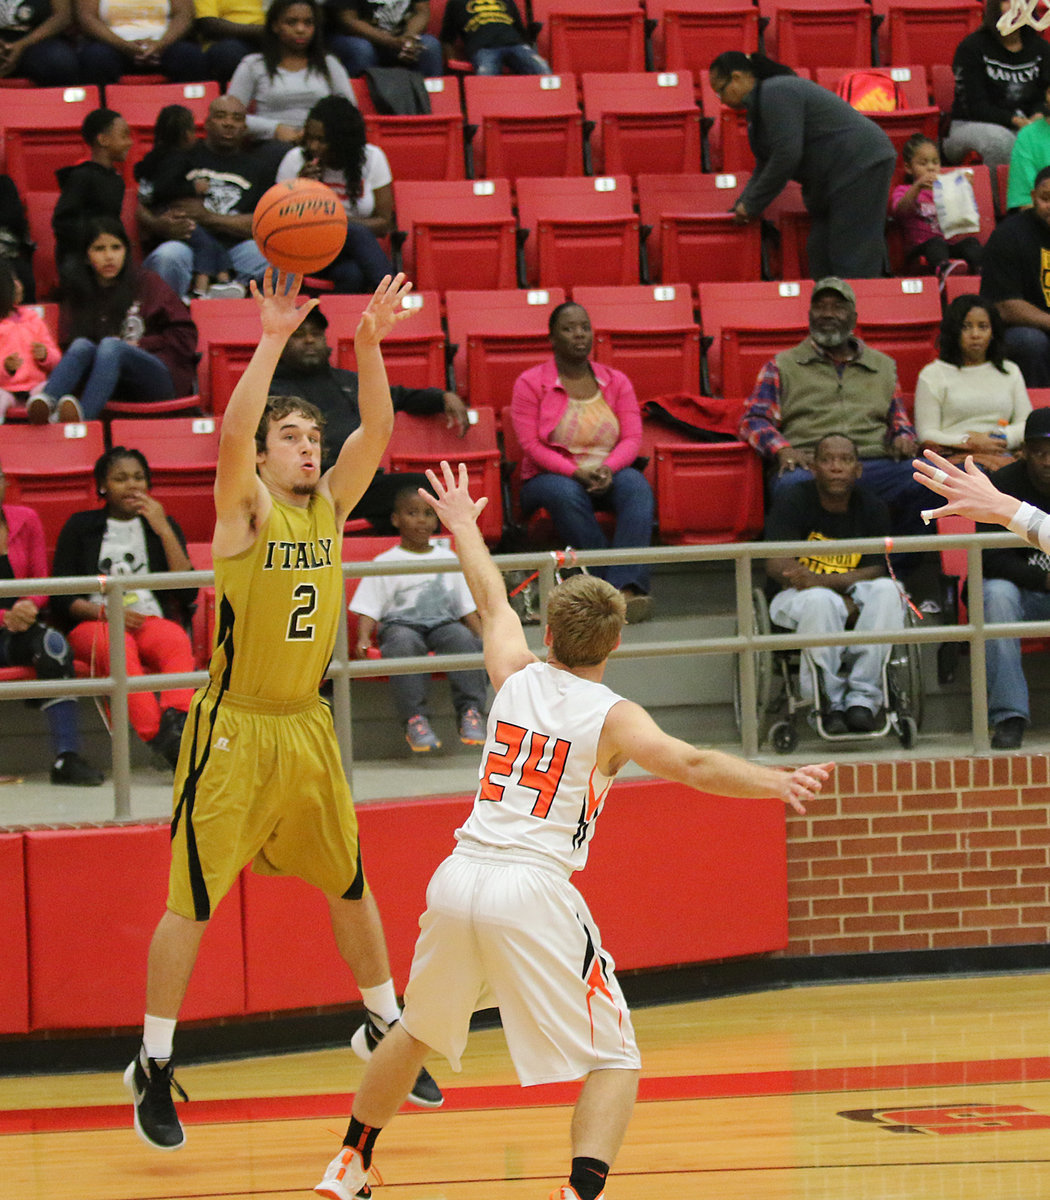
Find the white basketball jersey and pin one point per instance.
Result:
(541, 790)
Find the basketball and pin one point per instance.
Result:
(299, 225)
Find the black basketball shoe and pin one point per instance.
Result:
(156, 1121)
(425, 1092)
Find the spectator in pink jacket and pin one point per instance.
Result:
(26, 641)
(28, 351)
(580, 430)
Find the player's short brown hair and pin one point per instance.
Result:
(279, 407)
(586, 617)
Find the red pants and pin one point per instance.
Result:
(158, 647)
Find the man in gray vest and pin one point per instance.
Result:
(833, 383)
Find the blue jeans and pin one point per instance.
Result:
(173, 262)
(102, 367)
(358, 54)
(361, 264)
(182, 62)
(572, 509)
(519, 60)
(50, 63)
(410, 691)
(1030, 349)
(1003, 602)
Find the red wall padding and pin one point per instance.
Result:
(674, 877)
(14, 973)
(94, 897)
(289, 951)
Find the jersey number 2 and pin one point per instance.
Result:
(300, 627)
(543, 781)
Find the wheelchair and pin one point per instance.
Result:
(782, 706)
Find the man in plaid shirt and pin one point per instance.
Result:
(833, 383)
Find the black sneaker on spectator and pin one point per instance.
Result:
(168, 738)
(67, 411)
(71, 769)
(38, 409)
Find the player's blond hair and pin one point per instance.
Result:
(586, 617)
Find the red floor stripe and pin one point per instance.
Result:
(670, 1087)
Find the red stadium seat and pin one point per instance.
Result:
(414, 350)
(227, 334)
(182, 453)
(524, 125)
(902, 318)
(457, 234)
(706, 492)
(424, 146)
(41, 132)
(920, 116)
(591, 35)
(494, 336)
(744, 325)
(642, 122)
(51, 469)
(421, 442)
(580, 231)
(688, 34)
(692, 234)
(39, 208)
(818, 33)
(924, 31)
(649, 333)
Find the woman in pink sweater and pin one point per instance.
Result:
(580, 430)
(28, 352)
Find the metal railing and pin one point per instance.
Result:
(117, 686)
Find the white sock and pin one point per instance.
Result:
(382, 1001)
(158, 1035)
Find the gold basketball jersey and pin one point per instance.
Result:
(277, 605)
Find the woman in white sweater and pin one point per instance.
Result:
(336, 151)
(971, 400)
(281, 85)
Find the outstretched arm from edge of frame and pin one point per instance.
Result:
(970, 493)
(631, 734)
(506, 650)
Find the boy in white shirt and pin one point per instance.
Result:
(418, 613)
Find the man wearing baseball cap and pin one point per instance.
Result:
(1016, 586)
(833, 383)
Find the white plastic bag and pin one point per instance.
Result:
(957, 211)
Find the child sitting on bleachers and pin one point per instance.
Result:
(418, 613)
(28, 352)
(914, 210)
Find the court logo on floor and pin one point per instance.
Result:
(951, 1118)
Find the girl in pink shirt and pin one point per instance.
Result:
(28, 352)
(914, 210)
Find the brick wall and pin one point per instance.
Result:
(923, 855)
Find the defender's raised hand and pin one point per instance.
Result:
(451, 497)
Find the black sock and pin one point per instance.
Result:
(588, 1177)
(363, 1138)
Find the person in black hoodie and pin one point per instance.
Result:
(1000, 85)
(92, 188)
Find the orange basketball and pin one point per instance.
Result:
(299, 225)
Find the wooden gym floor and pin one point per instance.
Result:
(918, 1090)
